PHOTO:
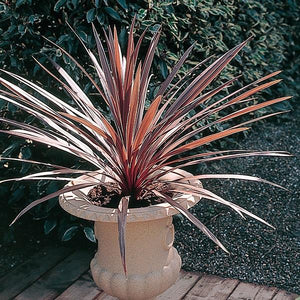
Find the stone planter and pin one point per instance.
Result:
(153, 264)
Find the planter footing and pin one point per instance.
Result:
(137, 286)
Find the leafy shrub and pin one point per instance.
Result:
(215, 26)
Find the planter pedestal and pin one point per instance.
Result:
(153, 264)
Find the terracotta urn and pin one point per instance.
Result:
(153, 264)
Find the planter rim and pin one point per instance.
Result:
(75, 204)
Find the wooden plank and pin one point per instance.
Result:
(183, 284)
(24, 275)
(59, 278)
(207, 288)
(253, 292)
(266, 293)
(284, 295)
(84, 289)
(104, 296)
(244, 291)
(212, 287)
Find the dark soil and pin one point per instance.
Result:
(258, 253)
(106, 196)
(109, 196)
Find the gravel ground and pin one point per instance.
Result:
(258, 253)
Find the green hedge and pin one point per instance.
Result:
(215, 26)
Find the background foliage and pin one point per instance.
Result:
(215, 26)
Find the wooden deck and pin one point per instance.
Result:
(61, 274)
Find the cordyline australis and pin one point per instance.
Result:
(136, 147)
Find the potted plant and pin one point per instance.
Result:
(137, 154)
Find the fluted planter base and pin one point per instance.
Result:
(153, 265)
(152, 262)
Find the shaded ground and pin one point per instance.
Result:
(21, 241)
(258, 253)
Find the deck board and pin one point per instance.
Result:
(104, 296)
(24, 275)
(62, 274)
(266, 293)
(212, 287)
(59, 278)
(84, 289)
(251, 291)
(183, 284)
(283, 295)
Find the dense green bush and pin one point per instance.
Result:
(215, 26)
